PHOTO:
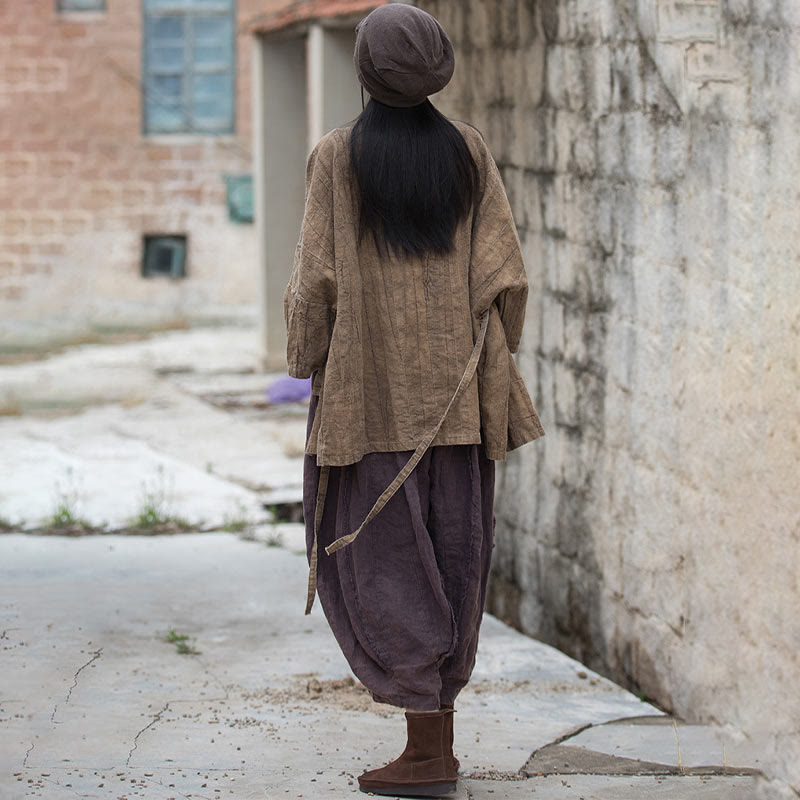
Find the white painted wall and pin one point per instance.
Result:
(306, 86)
(281, 151)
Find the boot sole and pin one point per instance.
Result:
(400, 790)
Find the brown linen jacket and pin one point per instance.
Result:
(389, 338)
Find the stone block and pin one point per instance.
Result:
(549, 16)
(554, 198)
(564, 77)
(511, 74)
(567, 264)
(574, 334)
(501, 133)
(508, 24)
(591, 395)
(530, 90)
(770, 13)
(533, 255)
(553, 330)
(576, 144)
(627, 70)
(584, 20)
(604, 222)
(513, 181)
(545, 399)
(607, 24)
(688, 20)
(610, 156)
(555, 582)
(538, 142)
(530, 25)
(451, 18)
(627, 219)
(531, 218)
(580, 204)
(479, 24)
(659, 95)
(566, 394)
(482, 68)
(554, 73)
(658, 220)
(562, 133)
(671, 143)
(638, 146)
(707, 62)
(738, 11)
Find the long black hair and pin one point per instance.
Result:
(416, 176)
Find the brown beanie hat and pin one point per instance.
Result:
(402, 55)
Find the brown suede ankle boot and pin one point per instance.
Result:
(425, 768)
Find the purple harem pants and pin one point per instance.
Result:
(405, 599)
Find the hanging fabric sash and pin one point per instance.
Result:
(388, 493)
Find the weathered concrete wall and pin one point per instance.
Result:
(80, 184)
(650, 150)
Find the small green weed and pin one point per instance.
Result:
(275, 539)
(67, 501)
(181, 642)
(237, 522)
(154, 511)
(62, 517)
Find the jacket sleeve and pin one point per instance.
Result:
(497, 271)
(309, 302)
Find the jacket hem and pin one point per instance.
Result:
(337, 459)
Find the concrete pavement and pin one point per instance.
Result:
(98, 703)
(181, 665)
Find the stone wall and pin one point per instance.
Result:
(80, 184)
(650, 151)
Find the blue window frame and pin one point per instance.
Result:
(189, 66)
(81, 5)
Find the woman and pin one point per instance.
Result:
(407, 277)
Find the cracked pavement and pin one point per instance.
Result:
(96, 703)
(96, 699)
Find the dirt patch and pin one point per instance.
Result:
(495, 775)
(344, 694)
(502, 686)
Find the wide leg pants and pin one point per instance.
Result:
(405, 599)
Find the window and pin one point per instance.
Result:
(188, 66)
(81, 5)
(164, 256)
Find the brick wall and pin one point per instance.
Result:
(650, 154)
(80, 184)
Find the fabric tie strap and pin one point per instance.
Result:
(391, 489)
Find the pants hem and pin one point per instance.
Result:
(411, 702)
